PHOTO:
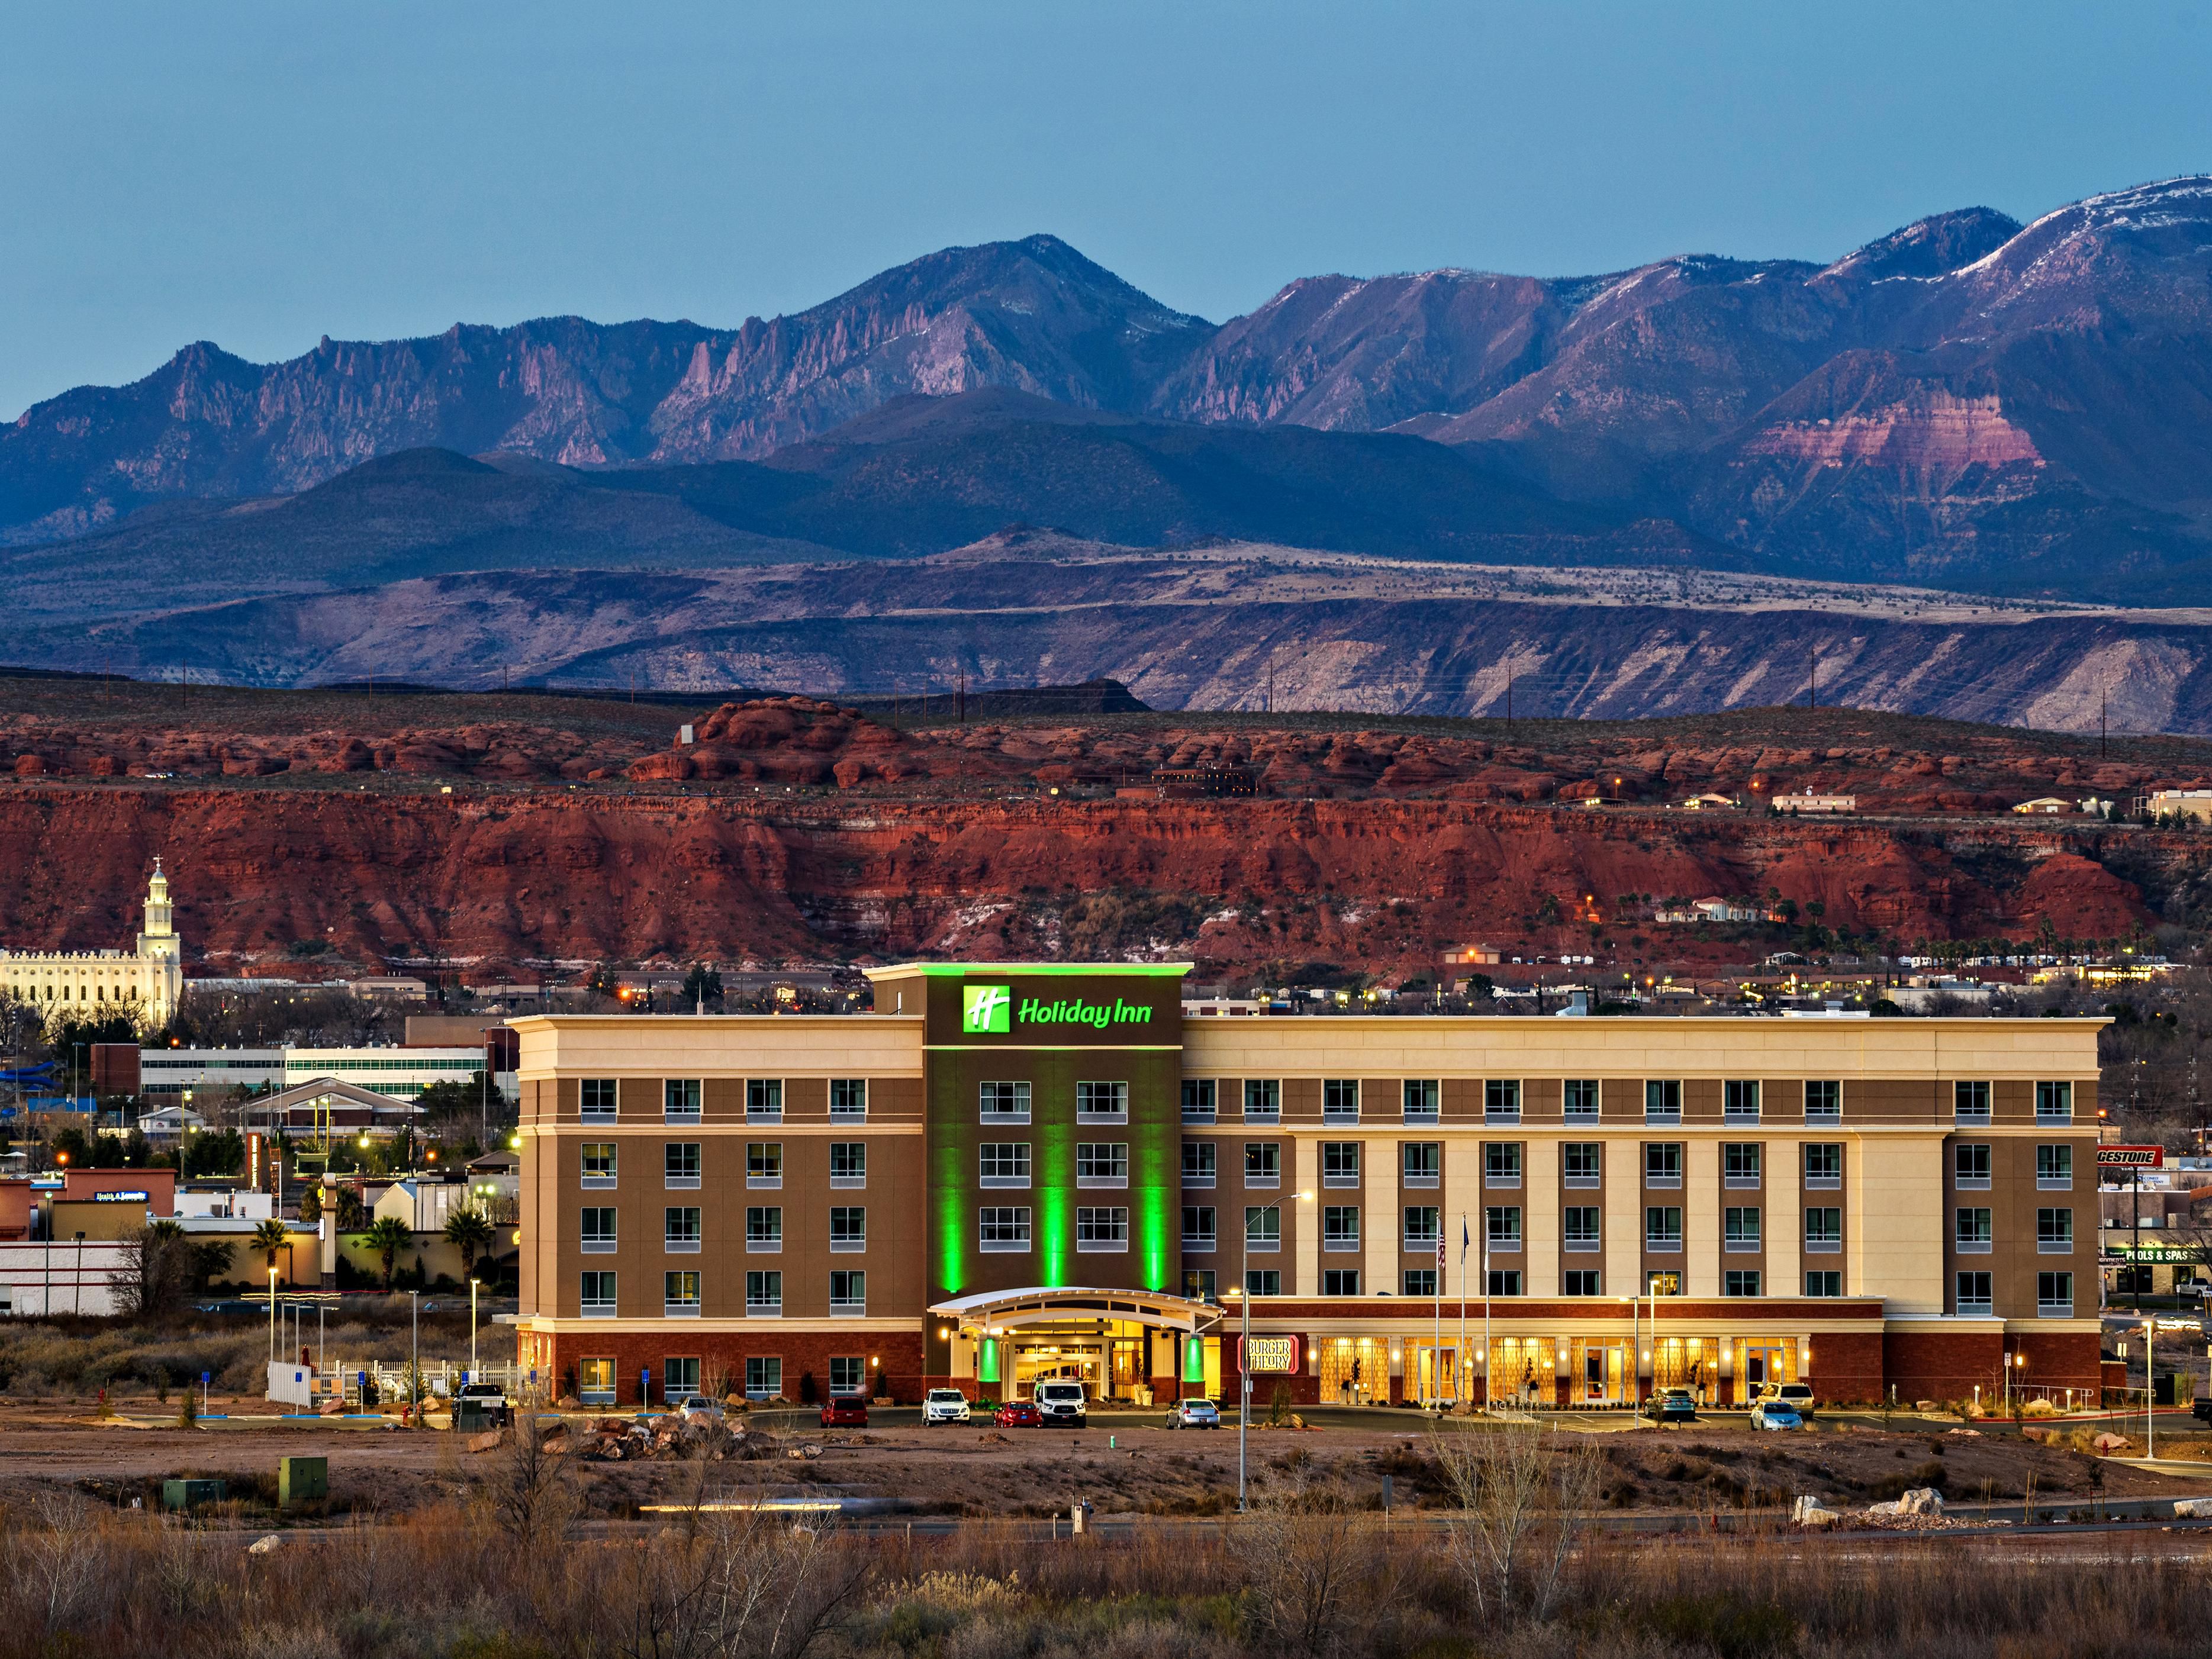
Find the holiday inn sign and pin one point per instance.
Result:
(992, 1009)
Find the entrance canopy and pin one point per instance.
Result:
(1038, 1306)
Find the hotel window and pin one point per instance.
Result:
(1824, 1228)
(1739, 1164)
(1501, 1101)
(1972, 1291)
(679, 1102)
(1501, 1224)
(1581, 1281)
(679, 1295)
(1738, 1281)
(1420, 1100)
(1339, 1163)
(1420, 1281)
(1581, 1163)
(1003, 1229)
(1198, 1098)
(1263, 1163)
(1339, 1100)
(1200, 1229)
(680, 1229)
(1739, 1102)
(849, 1100)
(1739, 1228)
(848, 1227)
(1826, 1282)
(1421, 1163)
(1424, 1227)
(1823, 1163)
(2054, 1103)
(2054, 1295)
(598, 1296)
(1663, 1102)
(1339, 1281)
(599, 1165)
(679, 1164)
(598, 1234)
(848, 1163)
(596, 1096)
(1198, 1283)
(1102, 1162)
(764, 1163)
(1581, 1099)
(1263, 1227)
(1198, 1166)
(2054, 1232)
(1970, 1233)
(1340, 1227)
(1263, 1281)
(765, 1100)
(595, 1381)
(764, 1378)
(2054, 1168)
(1662, 1227)
(1102, 1228)
(1969, 1165)
(1824, 1102)
(679, 1380)
(1003, 1164)
(1662, 1162)
(1102, 1102)
(1969, 1102)
(1006, 1103)
(1263, 1100)
(849, 1291)
(847, 1374)
(763, 1230)
(1501, 1163)
(1578, 1224)
(1504, 1281)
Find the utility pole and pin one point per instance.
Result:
(2102, 692)
(1271, 685)
(1812, 676)
(963, 709)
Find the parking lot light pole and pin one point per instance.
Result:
(2150, 1391)
(1244, 1383)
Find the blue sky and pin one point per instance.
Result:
(262, 174)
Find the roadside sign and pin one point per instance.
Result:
(2131, 1157)
(1262, 1355)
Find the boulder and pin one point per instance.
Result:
(1811, 1512)
(2192, 1509)
(2108, 1442)
(269, 1544)
(1920, 1500)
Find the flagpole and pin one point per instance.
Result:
(1461, 1382)
(1437, 1330)
(1487, 1349)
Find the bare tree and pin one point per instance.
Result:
(1522, 1498)
(156, 1268)
(735, 1582)
(55, 1559)
(1305, 1549)
(532, 1487)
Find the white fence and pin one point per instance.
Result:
(70, 1276)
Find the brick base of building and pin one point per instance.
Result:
(894, 1360)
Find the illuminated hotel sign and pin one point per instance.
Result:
(1261, 1355)
(988, 1009)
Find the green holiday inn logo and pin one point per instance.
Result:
(986, 1008)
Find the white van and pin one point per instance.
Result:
(1063, 1402)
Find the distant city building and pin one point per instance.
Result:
(1816, 803)
(2184, 803)
(208, 1071)
(1709, 803)
(146, 980)
(402, 1073)
(2045, 807)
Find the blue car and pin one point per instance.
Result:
(1776, 1414)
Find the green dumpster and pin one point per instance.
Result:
(301, 1480)
(191, 1494)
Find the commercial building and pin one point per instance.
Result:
(1010, 1173)
(400, 1072)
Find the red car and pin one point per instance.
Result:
(849, 1412)
(1018, 1414)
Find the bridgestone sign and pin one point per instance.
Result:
(2131, 1157)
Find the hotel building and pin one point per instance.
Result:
(1012, 1172)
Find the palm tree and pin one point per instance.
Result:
(468, 1231)
(271, 1236)
(387, 1236)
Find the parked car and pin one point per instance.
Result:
(845, 1411)
(944, 1405)
(1018, 1414)
(1776, 1414)
(1194, 1414)
(1673, 1406)
(697, 1407)
(1062, 1403)
(1799, 1394)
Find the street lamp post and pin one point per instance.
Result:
(2150, 1390)
(1242, 1292)
(272, 1313)
(414, 1353)
(472, 1327)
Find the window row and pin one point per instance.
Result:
(1422, 1282)
(2054, 1103)
(1095, 1103)
(682, 1162)
(1420, 1100)
(681, 1229)
(1973, 1234)
(1969, 1166)
(681, 1296)
(1010, 1229)
(599, 1099)
(2054, 1294)
(681, 1377)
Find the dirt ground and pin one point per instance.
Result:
(1132, 1467)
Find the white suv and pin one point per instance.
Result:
(1062, 1402)
(944, 1405)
